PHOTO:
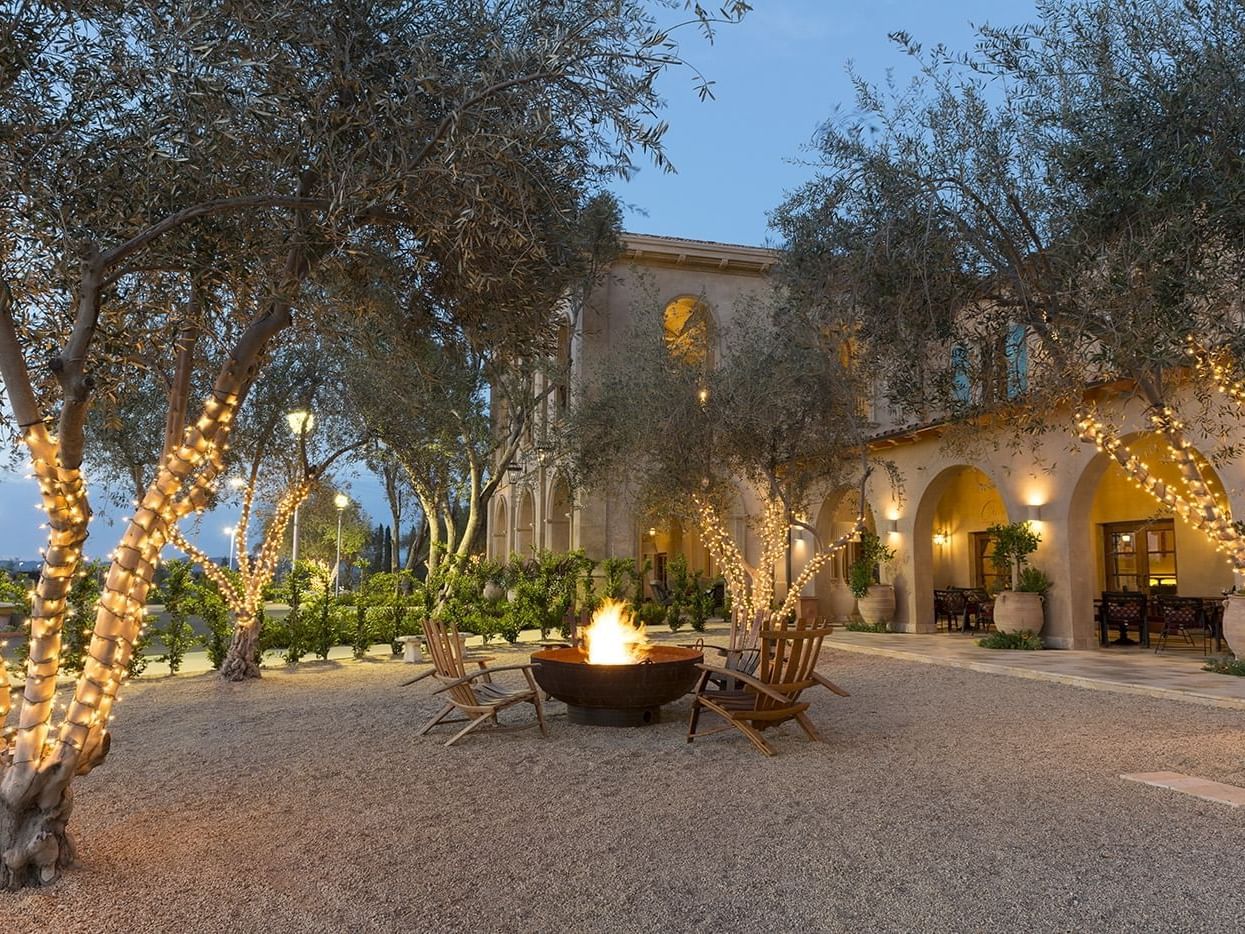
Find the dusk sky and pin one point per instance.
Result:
(777, 77)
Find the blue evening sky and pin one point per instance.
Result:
(778, 75)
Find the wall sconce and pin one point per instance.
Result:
(1035, 512)
(942, 538)
(892, 526)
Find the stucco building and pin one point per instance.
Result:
(1099, 532)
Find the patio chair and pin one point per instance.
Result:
(951, 605)
(743, 654)
(980, 608)
(1180, 614)
(1122, 609)
(788, 659)
(473, 694)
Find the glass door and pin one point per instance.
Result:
(1141, 556)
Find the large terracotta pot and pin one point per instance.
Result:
(1018, 612)
(841, 600)
(878, 605)
(1234, 624)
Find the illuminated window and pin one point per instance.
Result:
(689, 331)
(1141, 556)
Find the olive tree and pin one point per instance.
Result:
(223, 165)
(779, 414)
(1069, 191)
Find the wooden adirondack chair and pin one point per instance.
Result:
(472, 693)
(752, 703)
(744, 652)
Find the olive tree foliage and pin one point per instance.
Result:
(201, 168)
(454, 404)
(779, 414)
(1074, 185)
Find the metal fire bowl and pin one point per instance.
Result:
(617, 695)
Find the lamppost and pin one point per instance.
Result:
(301, 422)
(341, 501)
(232, 532)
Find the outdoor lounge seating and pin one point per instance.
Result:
(473, 694)
(742, 655)
(787, 663)
(1181, 614)
(1121, 609)
(950, 605)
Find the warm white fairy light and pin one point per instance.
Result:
(1204, 515)
(192, 466)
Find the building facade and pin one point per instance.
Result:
(1098, 531)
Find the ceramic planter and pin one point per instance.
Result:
(1018, 612)
(1234, 624)
(878, 605)
(841, 602)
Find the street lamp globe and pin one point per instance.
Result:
(341, 500)
(300, 421)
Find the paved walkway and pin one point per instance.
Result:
(1170, 675)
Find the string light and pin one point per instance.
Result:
(1206, 515)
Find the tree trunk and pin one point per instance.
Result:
(242, 660)
(35, 845)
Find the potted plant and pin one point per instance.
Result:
(874, 601)
(1018, 609)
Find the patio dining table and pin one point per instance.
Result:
(1212, 620)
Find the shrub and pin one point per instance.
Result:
(177, 593)
(323, 627)
(83, 595)
(651, 613)
(1033, 581)
(859, 625)
(1226, 666)
(362, 639)
(215, 615)
(1023, 641)
(864, 570)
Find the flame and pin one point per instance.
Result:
(614, 637)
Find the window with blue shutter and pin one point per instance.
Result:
(1017, 352)
(961, 386)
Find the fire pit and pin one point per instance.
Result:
(616, 678)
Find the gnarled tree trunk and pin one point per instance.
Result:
(242, 660)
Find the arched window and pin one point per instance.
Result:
(689, 331)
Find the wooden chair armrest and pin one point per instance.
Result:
(420, 677)
(465, 679)
(827, 683)
(748, 680)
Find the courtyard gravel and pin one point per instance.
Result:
(942, 800)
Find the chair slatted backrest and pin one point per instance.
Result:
(745, 644)
(788, 657)
(446, 650)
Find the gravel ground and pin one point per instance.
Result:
(942, 800)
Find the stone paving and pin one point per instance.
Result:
(1173, 675)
